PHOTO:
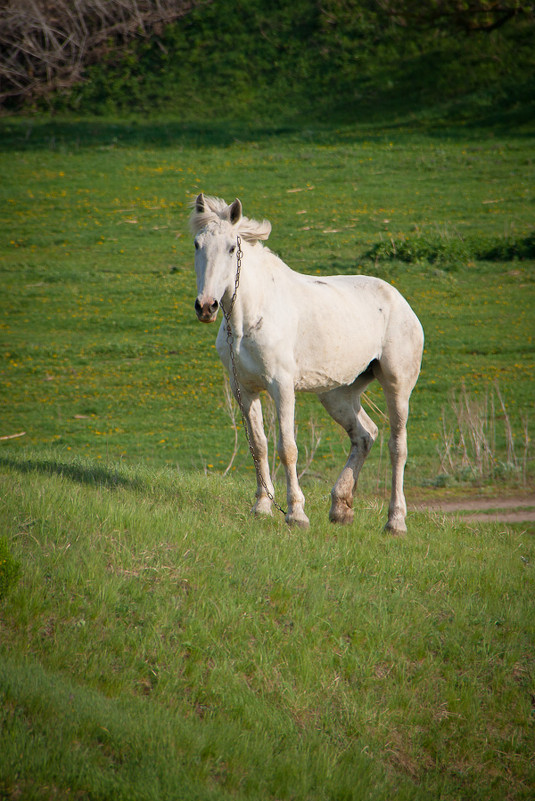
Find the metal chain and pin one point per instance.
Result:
(230, 343)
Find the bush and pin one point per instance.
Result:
(446, 252)
(451, 251)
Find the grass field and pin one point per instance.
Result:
(160, 645)
(103, 354)
(157, 643)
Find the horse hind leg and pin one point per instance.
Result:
(397, 444)
(397, 394)
(344, 406)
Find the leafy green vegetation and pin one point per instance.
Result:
(452, 252)
(243, 60)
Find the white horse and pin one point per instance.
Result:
(329, 335)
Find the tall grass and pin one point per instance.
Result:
(479, 441)
(161, 644)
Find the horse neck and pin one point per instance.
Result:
(252, 288)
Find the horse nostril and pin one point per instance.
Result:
(206, 309)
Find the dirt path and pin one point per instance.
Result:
(507, 509)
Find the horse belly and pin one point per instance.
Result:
(323, 367)
(341, 332)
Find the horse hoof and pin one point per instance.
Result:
(262, 508)
(396, 527)
(341, 513)
(298, 519)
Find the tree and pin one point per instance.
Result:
(46, 44)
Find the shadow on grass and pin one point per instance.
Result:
(38, 133)
(94, 475)
(381, 115)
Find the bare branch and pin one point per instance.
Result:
(46, 44)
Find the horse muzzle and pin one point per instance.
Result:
(206, 309)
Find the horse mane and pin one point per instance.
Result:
(215, 209)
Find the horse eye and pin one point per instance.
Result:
(196, 245)
(232, 249)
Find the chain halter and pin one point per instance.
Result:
(230, 342)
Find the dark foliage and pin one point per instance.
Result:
(245, 59)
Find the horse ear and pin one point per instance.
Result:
(199, 203)
(236, 211)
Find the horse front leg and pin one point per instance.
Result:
(287, 448)
(397, 510)
(343, 404)
(252, 412)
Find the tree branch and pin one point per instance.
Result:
(47, 43)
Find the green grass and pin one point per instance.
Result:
(102, 354)
(160, 645)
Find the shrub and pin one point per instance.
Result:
(451, 251)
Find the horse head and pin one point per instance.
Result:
(216, 227)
